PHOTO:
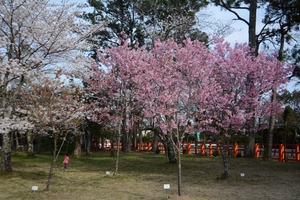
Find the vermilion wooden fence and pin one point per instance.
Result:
(279, 151)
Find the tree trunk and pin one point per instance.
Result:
(88, 143)
(38, 144)
(269, 145)
(170, 150)
(135, 132)
(52, 163)
(55, 155)
(12, 144)
(6, 153)
(77, 150)
(154, 143)
(141, 140)
(118, 150)
(30, 149)
(102, 141)
(129, 145)
(17, 140)
(252, 24)
(166, 151)
(179, 163)
(224, 155)
(250, 144)
(125, 138)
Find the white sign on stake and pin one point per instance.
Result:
(242, 174)
(34, 188)
(166, 186)
(107, 173)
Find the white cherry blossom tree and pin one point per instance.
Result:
(35, 38)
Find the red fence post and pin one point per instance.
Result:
(148, 146)
(235, 149)
(281, 153)
(202, 152)
(256, 150)
(210, 149)
(297, 155)
(218, 149)
(189, 148)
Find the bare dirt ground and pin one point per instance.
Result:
(142, 176)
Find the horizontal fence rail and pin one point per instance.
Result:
(280, 152)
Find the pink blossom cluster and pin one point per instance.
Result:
(187, 85)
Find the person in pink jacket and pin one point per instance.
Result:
(66, 162)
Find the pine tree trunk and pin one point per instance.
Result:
(6, 153)
(252, 24)
(269, 145)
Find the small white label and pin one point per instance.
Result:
(34, 188)
(242, 174)
(107, 173)
(166, 186)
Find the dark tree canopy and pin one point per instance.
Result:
(143, 21)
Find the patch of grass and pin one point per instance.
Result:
(142, 175)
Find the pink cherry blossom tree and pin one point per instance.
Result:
(189, 87)
(113, 92)
(244, 80)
